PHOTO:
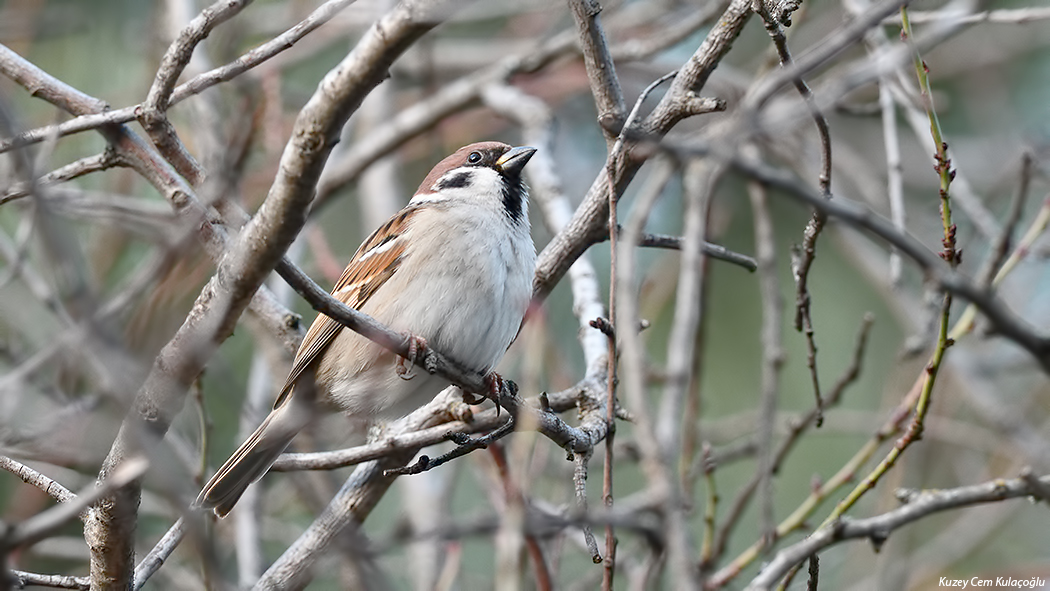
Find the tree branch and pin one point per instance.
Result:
(601, 71)
(241, 272)
(919, 504)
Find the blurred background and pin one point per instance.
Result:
(109, 237)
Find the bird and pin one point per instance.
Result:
(453, 269)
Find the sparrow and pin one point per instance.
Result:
(453, 269)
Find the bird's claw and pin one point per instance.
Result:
(493, 386)
(494, 383)
(404, 367)
(472, 399)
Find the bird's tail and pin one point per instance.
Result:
(253, 458)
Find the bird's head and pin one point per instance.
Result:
(488, 172)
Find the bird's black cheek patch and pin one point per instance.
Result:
(513, 198)
(455, 181)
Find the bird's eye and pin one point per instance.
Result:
(474, 158)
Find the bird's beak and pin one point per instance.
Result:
(514, 159)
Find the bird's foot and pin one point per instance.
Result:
(405, 366)
(495, 384)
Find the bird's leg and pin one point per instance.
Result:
(416, 346)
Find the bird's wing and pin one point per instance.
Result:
(375, 262)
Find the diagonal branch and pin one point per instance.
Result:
(587, 225)
(30, 476)
(241, 272)
(202, 82)
(1006, 322)
(153, 114)
(918, 505)
(47, 523)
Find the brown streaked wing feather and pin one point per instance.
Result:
(362, 277)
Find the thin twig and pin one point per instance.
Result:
(710, 249)
(23, 579)
(951, 256)
(877, 529)
(802, 259)
(796, 427)
(30, 476)
(464, 445)
(772, 355)
(153, 114)
(47, 523)
(1005, 322)
(591, 218)
(200, 83)
(74, 170)
(1001, 245)
(611, 163)
(160, 552)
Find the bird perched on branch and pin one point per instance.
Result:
(453, 269)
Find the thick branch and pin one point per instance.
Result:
(601, 72)
(242, 271)
(588, 222)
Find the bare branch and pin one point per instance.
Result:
(160, 552)
(30, 476)
(694, 74)
(47, 523)
(178, 55)
(918, 505)
(100, 117)
(97, 163)
(710, 249)
(1006, 322)
(601, 72)
(1009, 16)
(772, 354)
(23, 579)
(242, 270)
(153, 113)
(587, 223)
(460, 94)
